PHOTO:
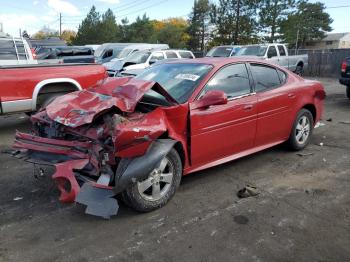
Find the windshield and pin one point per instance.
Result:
(138, 57)
(99, 51)
(179, 80)
(123, 53)
(253, 50)
(221, 51)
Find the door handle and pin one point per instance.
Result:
(291, 95)
(247, 107)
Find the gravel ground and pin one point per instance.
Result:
(301, 214)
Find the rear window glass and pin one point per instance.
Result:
(281, 50)
(170, 54)
(185, 54)
(265, 77)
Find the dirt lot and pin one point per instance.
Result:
(302, 213)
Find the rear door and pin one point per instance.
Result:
(275, 103)
(223, 130)
(283, 58)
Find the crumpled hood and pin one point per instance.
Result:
(81, 107)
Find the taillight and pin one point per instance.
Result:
(343, 66)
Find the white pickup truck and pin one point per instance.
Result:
(278, 54)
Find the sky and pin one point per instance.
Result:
(32, 15)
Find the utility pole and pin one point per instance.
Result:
(237, 22)
(296, 43)
(60, 24)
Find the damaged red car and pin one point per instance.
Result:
(136, 137)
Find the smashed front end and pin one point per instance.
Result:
(100, 141)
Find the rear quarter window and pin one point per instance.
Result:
(185, 54)
(265, 77)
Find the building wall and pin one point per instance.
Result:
(324, 45)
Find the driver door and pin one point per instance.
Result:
(219, 131)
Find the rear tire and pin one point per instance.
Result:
(299, 70)
(348, 91)
(301, 131)
(155, 191)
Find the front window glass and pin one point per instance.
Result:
(233, 80)
(179, 80)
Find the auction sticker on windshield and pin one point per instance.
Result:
(190, 77)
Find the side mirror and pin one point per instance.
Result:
(211, 98)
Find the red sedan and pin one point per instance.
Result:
(136, 137)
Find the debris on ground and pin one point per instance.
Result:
(319, 124)
(248, 191)
(305, 154)
(329, 120)
(17, 198)
(345, 122)
(321, 144)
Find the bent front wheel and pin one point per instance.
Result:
(158, 188)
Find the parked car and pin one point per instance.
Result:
(345, 75)
(143, 59)
(278, 54)
(223, 51)
(137, 136)
(26, 88)
(15, 51)
(119, 51)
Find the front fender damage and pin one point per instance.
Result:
(102, 140)
(100, 200)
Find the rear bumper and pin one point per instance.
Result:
(344, 81)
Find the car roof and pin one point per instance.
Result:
(218, 61)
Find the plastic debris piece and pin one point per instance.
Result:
(248, 191)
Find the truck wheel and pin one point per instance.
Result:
(299, 70)
(348, 91)
(160, 186)
(46, 99)
(301, 130)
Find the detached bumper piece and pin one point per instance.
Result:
(99, 201)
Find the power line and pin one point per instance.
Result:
(137, 3)
(143, 9)
(339, 6)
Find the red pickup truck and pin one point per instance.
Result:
(26, 88)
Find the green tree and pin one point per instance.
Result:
(124, 29)
(199, 24)
(272, 14)
(141, 31)
(309, 22)
(108, 29)
(89, 31)
(235, 21)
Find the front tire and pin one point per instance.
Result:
(348, 91)
(301, 131)
(158, 188)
